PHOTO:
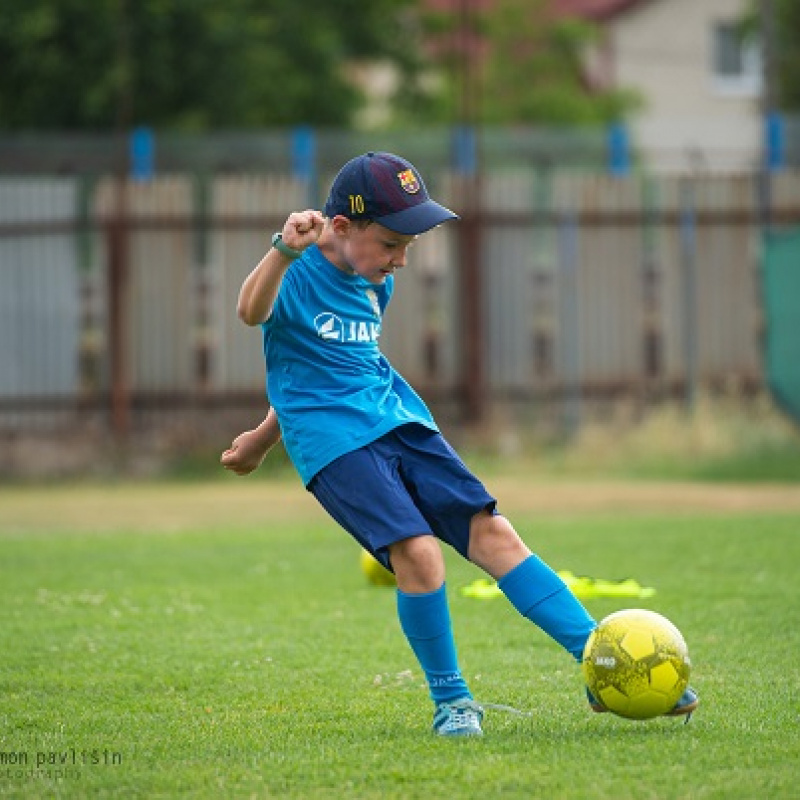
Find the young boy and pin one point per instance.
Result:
(364, 443)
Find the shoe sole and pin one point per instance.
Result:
(687, 709)
(676, 712)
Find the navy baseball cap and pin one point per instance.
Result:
(386, 189)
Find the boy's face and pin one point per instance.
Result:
(371, 251)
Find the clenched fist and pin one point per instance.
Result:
(302, 228)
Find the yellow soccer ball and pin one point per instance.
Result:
(375, 572)
(636, 663)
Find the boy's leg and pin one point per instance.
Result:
(531, 586)
(425, 615)
(540, 595)
(356, 492)
(425, 619)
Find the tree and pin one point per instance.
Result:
(189, 64)
(535, 70)
(780, 45)
(513, 61)
(787, 55)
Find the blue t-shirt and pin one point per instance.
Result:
(331, 387)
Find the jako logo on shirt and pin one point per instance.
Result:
(332, 328)
(329, 326)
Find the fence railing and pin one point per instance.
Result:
(117, 296)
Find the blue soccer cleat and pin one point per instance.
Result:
(686, 704)
(458, 718)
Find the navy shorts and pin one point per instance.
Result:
(410, 482)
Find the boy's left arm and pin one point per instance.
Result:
(250, 448)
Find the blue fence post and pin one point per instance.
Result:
(619, 149)
(776, 141)
(465, 150)
(304, 160)
(142, 153)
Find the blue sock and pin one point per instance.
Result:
(541, 596)
(425, 620)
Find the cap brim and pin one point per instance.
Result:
(417, 219)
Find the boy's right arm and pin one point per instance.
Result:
(260, 287)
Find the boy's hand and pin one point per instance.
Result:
(302, 229)
(245, 454)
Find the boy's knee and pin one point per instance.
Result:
(418, 564)
(494, 545)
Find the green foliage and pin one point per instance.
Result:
(254, 660)
(721, 439)
(724, 439)
(786, 55)
(188, 64)
(787, 61)
(535, 73)
(514, 63)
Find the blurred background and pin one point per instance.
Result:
(625, 277)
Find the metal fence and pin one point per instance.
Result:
(117, 296)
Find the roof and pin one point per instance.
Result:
(597, 10)
(593, 9)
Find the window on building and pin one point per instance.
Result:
(736, 60)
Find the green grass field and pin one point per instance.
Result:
(218, 640)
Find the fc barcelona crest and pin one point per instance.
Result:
(408, 180)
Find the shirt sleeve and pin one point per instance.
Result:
(290, 295)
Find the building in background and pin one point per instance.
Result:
(699, 79)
